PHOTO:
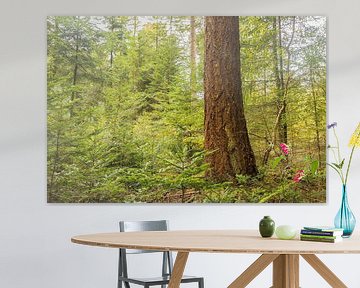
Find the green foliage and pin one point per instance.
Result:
(314, 166)
(125, 126)
(276, 161)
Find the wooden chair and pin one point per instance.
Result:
(167, 262)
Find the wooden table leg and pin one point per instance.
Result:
(286, 271)
(293, 264)
(324, 271)
(178, 270)
(253, 270)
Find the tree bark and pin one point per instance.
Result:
(54, 166)
(75, 71)
(192, 57)
(136, 69)
(279, 79)
(112, 29)
(316, 116)
(226, 134)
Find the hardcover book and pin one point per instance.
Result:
(323, 228)
(319, 237)
(321, 233)
(325, 240)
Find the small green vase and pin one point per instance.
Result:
(267, 227)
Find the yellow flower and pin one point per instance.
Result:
(355, 138)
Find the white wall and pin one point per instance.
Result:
(35, 248)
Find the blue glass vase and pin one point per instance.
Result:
(345, 219)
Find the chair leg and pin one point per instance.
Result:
(201, 283)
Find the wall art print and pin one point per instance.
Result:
(186, 109)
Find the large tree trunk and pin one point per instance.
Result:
(112, 22)
(135, 70)
(316, 115)
(192, 56)
(279, 79)
(226, 135)
(75, 71)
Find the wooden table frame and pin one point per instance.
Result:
(285, 271)
(283, 255)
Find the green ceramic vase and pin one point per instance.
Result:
(266, 227)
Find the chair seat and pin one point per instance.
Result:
(158, 280)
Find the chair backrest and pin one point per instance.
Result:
(134, 226)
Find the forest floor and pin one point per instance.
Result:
(268, 190)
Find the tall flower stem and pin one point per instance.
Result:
(350, 159)
(339, 160)
(338, 145)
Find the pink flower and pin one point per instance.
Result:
(284, 148)
(298, 176)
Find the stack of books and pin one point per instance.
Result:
(321, 234)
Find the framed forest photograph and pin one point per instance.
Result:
(186, 109)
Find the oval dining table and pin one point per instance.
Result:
(284, 254)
